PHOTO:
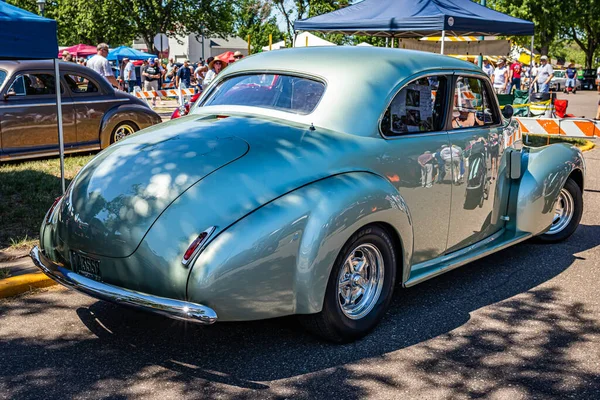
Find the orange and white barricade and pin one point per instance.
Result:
(163, 93)
(572, 127)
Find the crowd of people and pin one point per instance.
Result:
(508, 75)
(154, 73)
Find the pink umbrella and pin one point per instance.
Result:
(80, 50)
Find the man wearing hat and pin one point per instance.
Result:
(544, 75)
(500, 77)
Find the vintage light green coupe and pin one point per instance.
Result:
(310, 182)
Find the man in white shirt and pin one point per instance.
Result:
(544, 75)
(100, 64)
(129, 74)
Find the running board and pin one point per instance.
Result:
(430, 269)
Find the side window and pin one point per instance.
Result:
(417, 108)
(33, 85)
(80, 84)
(472, 105)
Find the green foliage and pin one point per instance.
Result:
(300, 9)
(255, 18)
(582, 25)
(547, 15)
(117, 22)
(178, 17)
(85, 21)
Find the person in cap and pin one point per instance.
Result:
(237, 56)
(100, 64)
(214, 68)
(487, 67)
(129, 75)
(65, 53)
(500, 77)
(544, 75)
(151, 74)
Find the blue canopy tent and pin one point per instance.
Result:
(416, 18)
(119, 53)
(25, 35)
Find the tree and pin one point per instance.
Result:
(84, 21)
(178, 17)
(583, 27)
(117, 22)
(547, 15)
(255, 18)
(300, 9)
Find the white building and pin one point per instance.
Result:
(190, 47)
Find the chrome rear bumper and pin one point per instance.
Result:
(176, 309)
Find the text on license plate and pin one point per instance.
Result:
(85, 266)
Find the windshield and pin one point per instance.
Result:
(2, 77)
(279, 92)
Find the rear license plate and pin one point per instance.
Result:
(85, 266)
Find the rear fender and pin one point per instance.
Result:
(544, 172)
(140, 115)
(277, 260)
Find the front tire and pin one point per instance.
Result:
(359, 289)
(567, 215)
(123, 130)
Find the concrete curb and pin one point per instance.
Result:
(23, 283)
(588, 146)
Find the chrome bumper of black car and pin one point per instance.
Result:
(176, 309)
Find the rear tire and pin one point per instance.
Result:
(123, 130)
(568, 212)
(366, 263)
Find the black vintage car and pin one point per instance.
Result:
(94, 114)
(589, 79)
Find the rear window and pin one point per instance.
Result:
(279, 92)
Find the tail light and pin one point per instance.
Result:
(176, 114)
(51, 210)
(195, 97)
(196, 245)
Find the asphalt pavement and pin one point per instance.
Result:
(523, 323)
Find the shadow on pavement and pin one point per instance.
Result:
(524, 342)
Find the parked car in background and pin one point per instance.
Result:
(588, 81)
(94, 114)
(297, 186)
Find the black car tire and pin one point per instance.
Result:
(332, 323)
(574, 191)
(123, 130)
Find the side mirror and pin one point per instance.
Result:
(9, 94)
(508, 111)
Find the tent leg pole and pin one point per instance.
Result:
(443, 40)
(59, 121)
(294, 40)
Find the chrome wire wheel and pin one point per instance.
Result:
(122, 132)
(563, 212)
(360, 281)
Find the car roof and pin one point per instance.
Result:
(361, 81)
(12, 66)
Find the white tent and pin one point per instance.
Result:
(365, 44)
(305, 39)
(275, 46)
